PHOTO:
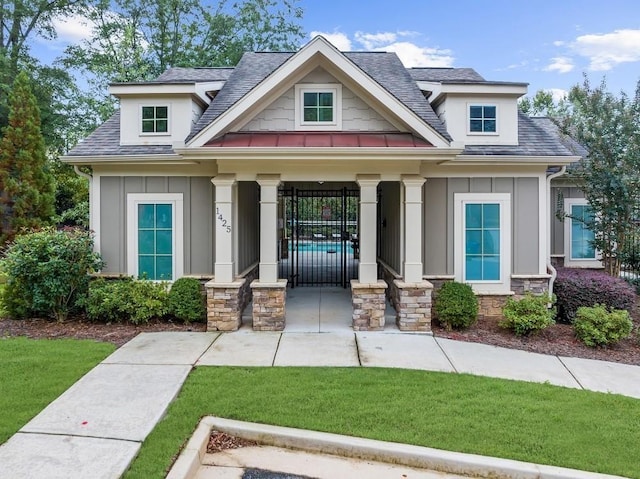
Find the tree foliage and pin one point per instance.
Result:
(542, 104)
(609, 127)
(134, 40)
(26, 185)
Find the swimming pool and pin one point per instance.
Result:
(320, 247)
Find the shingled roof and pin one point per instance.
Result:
(445, 74)
(105, 141)
(533, 139)
(384, 68)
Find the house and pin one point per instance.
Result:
(325, 167)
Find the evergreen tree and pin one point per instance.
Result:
(26, 184)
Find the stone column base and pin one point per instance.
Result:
(269, 305)
(413, 305)
(224, 305)
(490, 305)
(369, 303)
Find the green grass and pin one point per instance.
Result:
(34, 372)
(529, 422)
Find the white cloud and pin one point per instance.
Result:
(337, 39)
(72, 29)
(411, 53)
(560, 64)
(371, 41)
(607, 50)
(558, 43)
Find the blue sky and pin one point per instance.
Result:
(547, 43)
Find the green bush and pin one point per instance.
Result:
(456, 305)
(48, 272)
(597, 326)
(186, 301)
(527, 314)
(126, 299)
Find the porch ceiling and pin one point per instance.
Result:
(319, 140)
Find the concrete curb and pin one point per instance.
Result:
(472, 465)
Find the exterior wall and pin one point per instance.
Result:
(390, 227)
(198, 197)
(356, 114)
(439, 224)
(181, 107)
(455, 112)
(557, 226)
(248, 222)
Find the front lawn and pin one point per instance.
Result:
(524, 421)
(35, 372)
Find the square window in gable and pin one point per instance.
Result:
(318, 107)
(154, 120)
(483, 119)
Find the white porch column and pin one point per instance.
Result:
(413, 228)
(368, 267)
(225, 234)
(268, 228)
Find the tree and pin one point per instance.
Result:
(26, 185)
(609, 128)
(134, 40)
(542, 104)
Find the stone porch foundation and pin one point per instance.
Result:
(269, 305)
(413, 305)
(369, 302)
(225, 303)
(490, 305)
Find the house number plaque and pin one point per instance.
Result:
(226, 224)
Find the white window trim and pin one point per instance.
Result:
(482, 133)
(503, 285)
(335, 88)
(177, 203)
(568, 261)
(148, 133)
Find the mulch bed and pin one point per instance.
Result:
(556, 340)
(221, 441)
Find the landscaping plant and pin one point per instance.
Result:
(456, 305)
(528, 314)
(584, 287)
(597, 326)
(48, 272)
(126, 299)
(186, 301)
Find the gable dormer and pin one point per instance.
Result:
(163, 111)
(475, 111)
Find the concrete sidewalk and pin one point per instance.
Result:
(96, 427)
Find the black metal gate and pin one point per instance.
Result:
(319, 244)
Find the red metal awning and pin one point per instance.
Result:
(324, 139)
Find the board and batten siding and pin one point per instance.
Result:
(390, 228)
(438, 197)
(356, 114)
(198, 197)
(248, 221)
(556, 205)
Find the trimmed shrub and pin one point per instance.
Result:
(456, 305)
(527, 314)
(596, 326)
(186, 301)
(48, 272)
(584, 287)
(126, 299)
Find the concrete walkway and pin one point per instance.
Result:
(96, 427)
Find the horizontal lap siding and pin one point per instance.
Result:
(198, 196)
(438, 195)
